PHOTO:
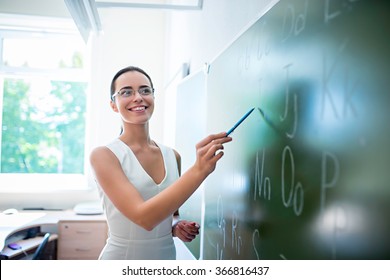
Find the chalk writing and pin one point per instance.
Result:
(294, 22)
(296, 195)
(328, 158)
(244, 60)
(332, 12)
(255, 235)
(263, 42)
(286, 105)
(259, 171)
(331, 72)
(236, 238)
(221, 223)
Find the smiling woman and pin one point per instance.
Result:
(139, 179)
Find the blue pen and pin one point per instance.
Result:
(240, 121)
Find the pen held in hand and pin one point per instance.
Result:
(239, 122)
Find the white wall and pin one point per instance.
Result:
(130, 37)
(198, 37)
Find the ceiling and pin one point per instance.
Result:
(87, 17)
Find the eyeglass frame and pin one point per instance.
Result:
(133, 91)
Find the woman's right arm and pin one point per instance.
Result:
(151, 212)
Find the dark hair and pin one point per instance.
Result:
(124, 70)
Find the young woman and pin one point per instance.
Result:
(139, 180)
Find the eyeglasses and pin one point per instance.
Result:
(127, 92)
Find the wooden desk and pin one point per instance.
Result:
(14, 223)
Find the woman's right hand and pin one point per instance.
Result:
(209, 151)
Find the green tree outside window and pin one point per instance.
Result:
(43, 135)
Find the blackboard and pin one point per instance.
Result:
(307, 175)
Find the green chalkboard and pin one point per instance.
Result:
(308, 173)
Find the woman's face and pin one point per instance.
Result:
(133, 106)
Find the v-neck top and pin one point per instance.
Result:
(126, 239)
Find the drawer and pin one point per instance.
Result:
(81, 240)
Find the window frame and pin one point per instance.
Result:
(28, 27)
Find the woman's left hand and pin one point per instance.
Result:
(185, 230)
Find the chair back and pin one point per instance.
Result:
(39, 251)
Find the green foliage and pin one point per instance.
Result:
(43, 134)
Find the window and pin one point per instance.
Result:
(43, 108)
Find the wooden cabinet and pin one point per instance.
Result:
(81, 240)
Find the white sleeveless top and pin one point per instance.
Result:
(126, 240)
